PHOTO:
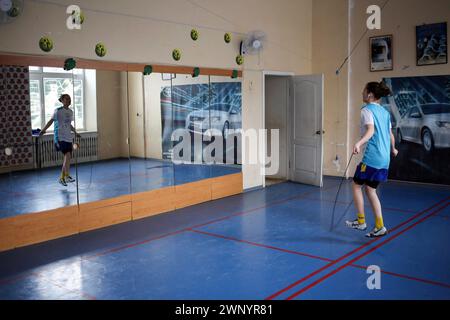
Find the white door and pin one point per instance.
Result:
(306, 130)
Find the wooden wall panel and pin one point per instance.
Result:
(58, 61)
(192, 193)
(226, 186)
(99, 214)
(38, 227)
(7, 234)
(153, 202)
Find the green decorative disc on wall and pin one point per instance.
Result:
(239, 59)
(227, 37)
(176, 54)
(194, 34)
(196, 72)
(148, 70)
(70, 64)
(100, 49)
(46, 44)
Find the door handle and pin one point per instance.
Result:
(320, 132)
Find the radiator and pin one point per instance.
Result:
(45, 154)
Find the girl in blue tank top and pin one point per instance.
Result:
(379, 141)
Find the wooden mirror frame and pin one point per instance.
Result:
(58, 61)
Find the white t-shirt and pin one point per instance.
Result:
(63, 120)
(366, 118)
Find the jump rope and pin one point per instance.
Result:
(344, 177)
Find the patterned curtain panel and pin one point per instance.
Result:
(15, 116)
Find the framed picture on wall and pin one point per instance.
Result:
(381, 58)
(431, 44)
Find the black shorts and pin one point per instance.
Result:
(63, 146)
(370, 183)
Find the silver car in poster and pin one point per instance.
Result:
(221, 117)
(426, 124)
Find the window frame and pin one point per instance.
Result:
(39, 75)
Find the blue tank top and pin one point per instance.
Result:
(378, 149)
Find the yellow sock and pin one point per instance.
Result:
(66, 174)
(63, 175)
(361, 218)
(379, 222)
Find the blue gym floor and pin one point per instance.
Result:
(271, 243)
(38, 190)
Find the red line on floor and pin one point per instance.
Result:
(276, 294)
(260, 245)
(17, 278)
(441, 284)
(239, 213)
(131, 245)
(41, 275)
(365, 253)
(316, 257)
(273, 203)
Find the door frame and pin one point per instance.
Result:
(263, 145)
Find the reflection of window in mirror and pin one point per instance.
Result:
(168, 76)
(46, 86)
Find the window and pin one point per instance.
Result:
(414, 113)
(46, 86)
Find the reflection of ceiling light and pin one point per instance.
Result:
(5, 5)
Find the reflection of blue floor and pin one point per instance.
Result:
(273, 242)
(34, 191)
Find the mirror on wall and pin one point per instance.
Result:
(150, 122)
(33, 161)
(225, 112)
(134, 133)
(191, 123)
(103, 154)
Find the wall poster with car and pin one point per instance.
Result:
(420, 113)
(199, 107)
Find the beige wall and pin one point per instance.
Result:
(399, 18)
(337, 27)
(152, 103)
(147, 31)
(330, 47)
(143, 31)
(252, 118)
(109, 120)
(124, 117)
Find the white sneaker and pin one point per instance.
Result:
(69, 179)
(377, 233)
(63, 182)
(356, 225)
